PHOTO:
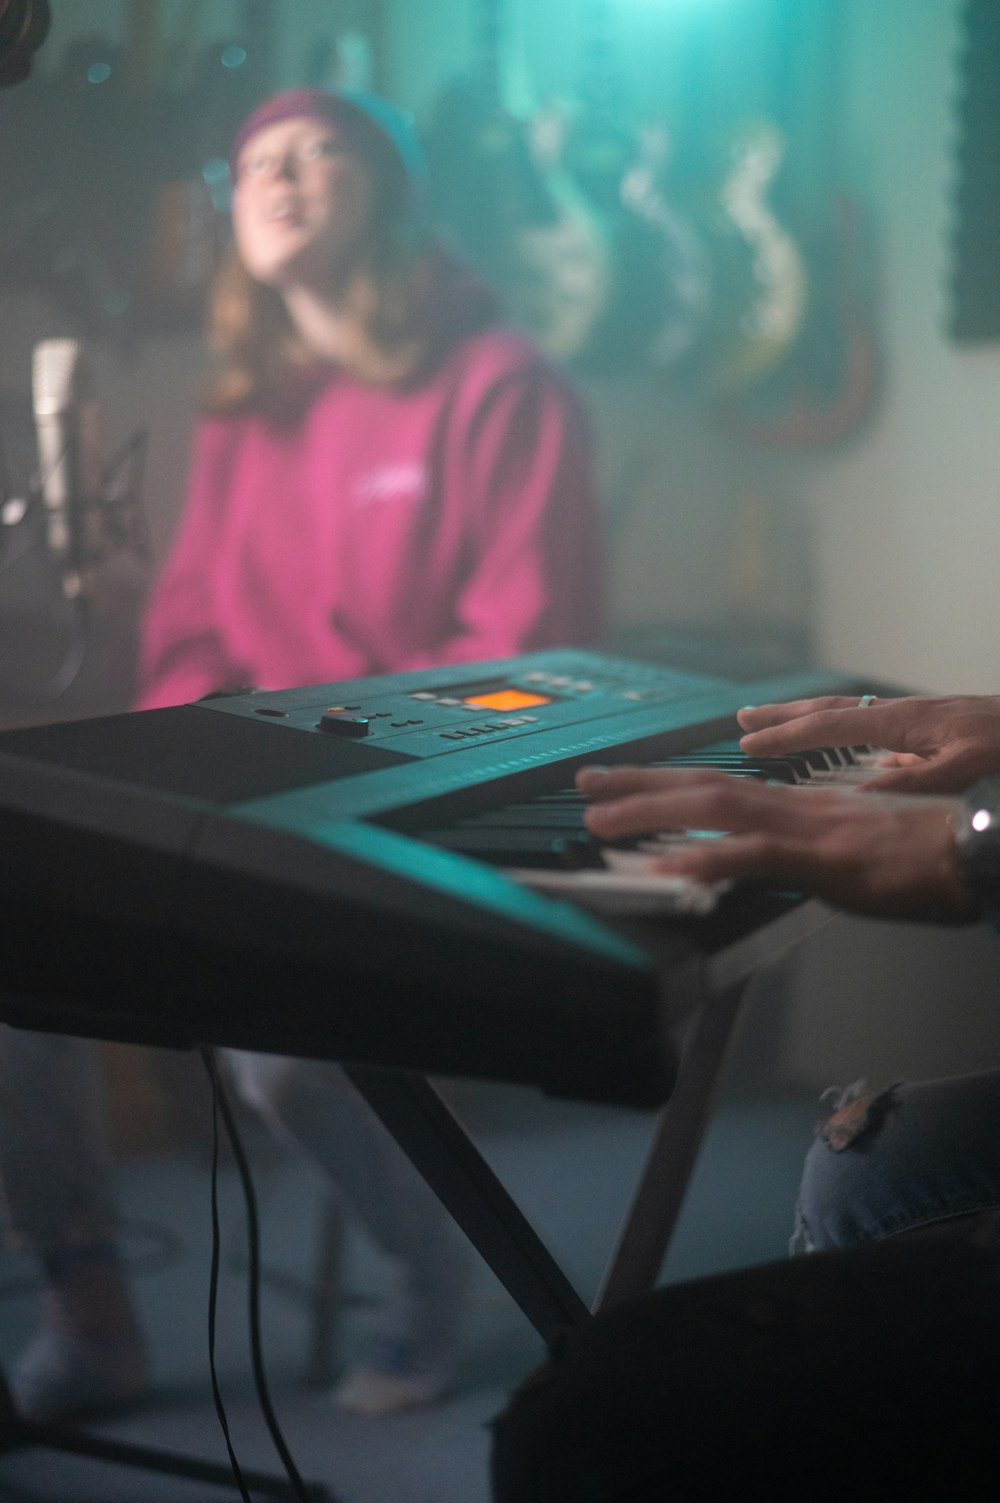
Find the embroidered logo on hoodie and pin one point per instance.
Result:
(405, 481)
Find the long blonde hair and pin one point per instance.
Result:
(263, 364)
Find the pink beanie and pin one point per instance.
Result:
(377, 129)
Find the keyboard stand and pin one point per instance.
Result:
(702, 998)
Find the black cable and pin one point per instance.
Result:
(122, 505)
(220, 1102)
(213, 1283)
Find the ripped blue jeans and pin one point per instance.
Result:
(895, 1160)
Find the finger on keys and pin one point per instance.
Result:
(705, 801)
(753, 855)
(844, 726)
(599, 784)
(762, 717)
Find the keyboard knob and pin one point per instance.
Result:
(338, 724)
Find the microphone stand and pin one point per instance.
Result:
(112, 523)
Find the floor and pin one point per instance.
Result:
(570, 1167)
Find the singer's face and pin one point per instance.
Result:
(301, 204)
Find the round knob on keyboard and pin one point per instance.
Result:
(338, 724)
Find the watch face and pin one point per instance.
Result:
(978, 846)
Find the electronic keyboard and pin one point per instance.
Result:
(342, 871)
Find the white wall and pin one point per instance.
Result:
(907, 522)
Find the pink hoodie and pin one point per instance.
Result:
(447, 521)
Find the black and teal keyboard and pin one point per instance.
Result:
(326, 870)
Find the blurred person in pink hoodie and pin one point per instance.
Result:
(386, 477)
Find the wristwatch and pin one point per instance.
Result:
(977, 845)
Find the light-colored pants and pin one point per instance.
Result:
(54, 1169)
(56, 1180)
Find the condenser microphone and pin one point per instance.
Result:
(67, 428)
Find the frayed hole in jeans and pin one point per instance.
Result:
(855, 1118)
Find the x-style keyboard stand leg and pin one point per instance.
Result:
(649, 1223)
(437, 1144)
(701, 1002)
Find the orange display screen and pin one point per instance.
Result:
(507, 699)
